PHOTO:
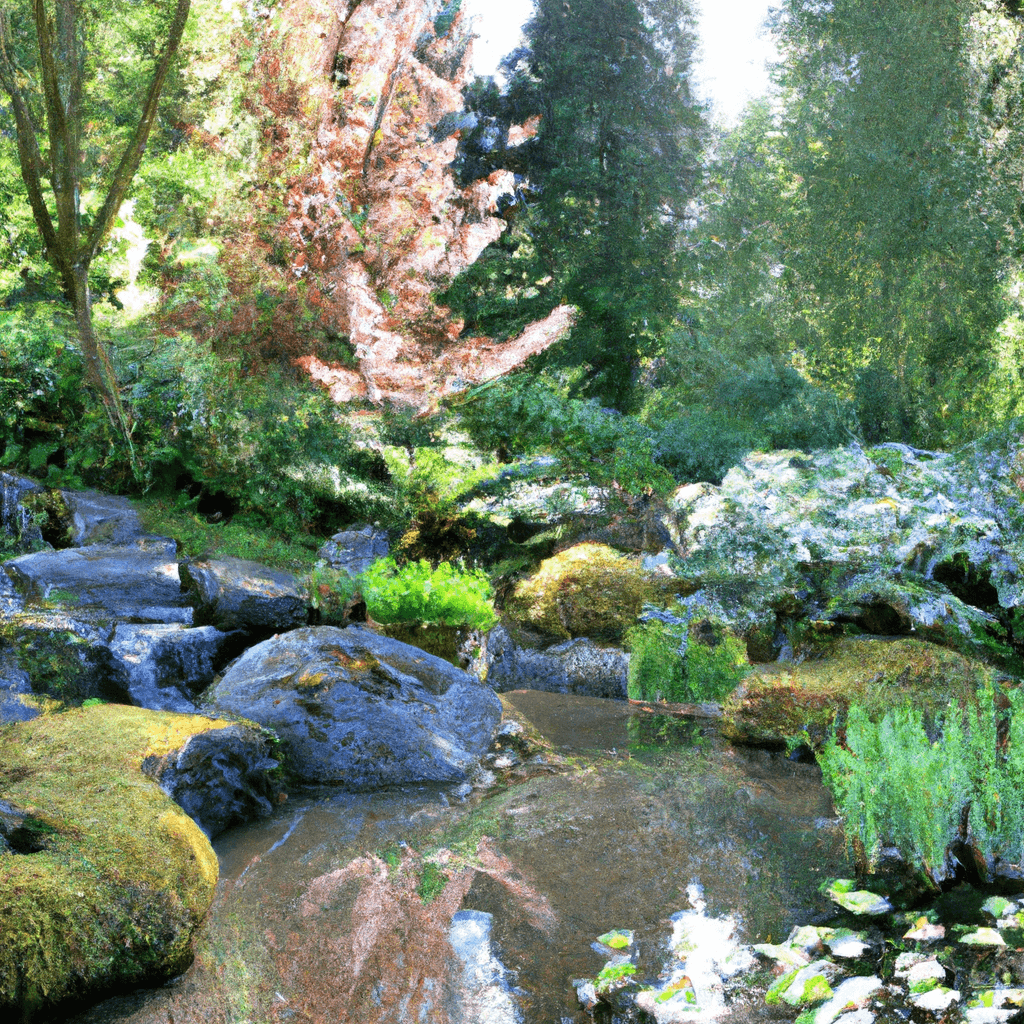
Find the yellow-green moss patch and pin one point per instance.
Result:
(782, 702)
(587, 590)
(125, 876)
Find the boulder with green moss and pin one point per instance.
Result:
(785, 702)
(117, 878)
(587, 590)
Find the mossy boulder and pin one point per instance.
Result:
(587, 590)
(120, 878)
(782, 702)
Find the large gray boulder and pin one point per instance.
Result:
(99, 518)
(137, 583)
(575, 666)
(360, 710)
(234, 593)
(167, 666)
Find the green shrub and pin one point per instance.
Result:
(669, 662)
(895, 785)
(525, 415)
(447, 595)
(704, 445)
(414, 592)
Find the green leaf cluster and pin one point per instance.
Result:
(667, 663)
(448, 595)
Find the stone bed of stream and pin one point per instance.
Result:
(699, 864)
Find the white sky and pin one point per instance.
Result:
(733, 48)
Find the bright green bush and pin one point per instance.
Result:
(414, 592)
(447, 595)
(667, 663)
(894, 784)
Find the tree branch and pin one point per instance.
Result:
(29, 157)
(129, 163)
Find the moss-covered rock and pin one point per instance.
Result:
(122, 876)
(586, 590)
(782, 702)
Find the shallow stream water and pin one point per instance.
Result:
(340, 903)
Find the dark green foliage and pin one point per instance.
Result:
(677, 662)
(531, 414)
(911, 783)
(735, 410)
(705, 444)
(51, 427)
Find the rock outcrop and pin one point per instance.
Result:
(359, 710)
(234, 593)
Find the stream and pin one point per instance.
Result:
(337, 908)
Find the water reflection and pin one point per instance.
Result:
(648, 806)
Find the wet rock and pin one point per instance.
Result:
(166, 667)
(355, 550)
(125, 878)
(857, 901)
(15, 686)
(851, 994)
(935, 1001)
(482, 995)
(575, 666)
(64, 656)
(233, 593)
(219, 778)
(131, 584)
(361, 710)
(105, 519)
(983, 937)
(18, 530)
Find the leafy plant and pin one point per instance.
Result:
(447, 596)
(684, 662)
(906, 782)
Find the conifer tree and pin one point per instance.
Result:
(607, 179)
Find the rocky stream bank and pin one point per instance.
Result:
(152, 703)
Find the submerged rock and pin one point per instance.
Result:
(121, 877)
(361, 710)
(482, 992)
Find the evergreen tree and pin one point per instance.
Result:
(901, 232)
(605, 183)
